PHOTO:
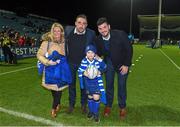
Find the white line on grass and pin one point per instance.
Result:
(22, 69)
(170, 59)
(30, 117)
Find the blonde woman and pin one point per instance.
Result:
(54, 44)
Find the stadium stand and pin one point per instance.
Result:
(23, 32)
(170, 29)
(30, 25)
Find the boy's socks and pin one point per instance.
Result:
(90, 105)
(96, 104)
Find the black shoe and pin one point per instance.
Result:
(90, 115)
(96, 118)
(70, 110)
(83, 109)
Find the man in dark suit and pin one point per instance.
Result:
(77, 38)
(117, 50)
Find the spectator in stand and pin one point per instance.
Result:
(6, 44)
(21, 41)
(179, 44)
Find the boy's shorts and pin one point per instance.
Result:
(92, 86)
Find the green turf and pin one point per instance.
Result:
(153, 93)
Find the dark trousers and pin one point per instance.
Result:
(56, 98)
(122, 91)
(7, 54)
(72, 88)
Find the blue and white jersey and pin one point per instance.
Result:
(101, 67)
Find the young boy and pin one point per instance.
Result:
(90, 79)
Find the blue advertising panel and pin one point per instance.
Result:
(22, 52)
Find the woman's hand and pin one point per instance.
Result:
(50, 62)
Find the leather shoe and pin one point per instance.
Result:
(107, 111)
(70, 110)
(58, 108)
(53, 113)
(83, 109)
(122, 113)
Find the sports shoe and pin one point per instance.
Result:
(107, 111)
(96, 118)
(122, 113)
(90, 115)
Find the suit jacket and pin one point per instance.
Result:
(121, 50)
(90, 38)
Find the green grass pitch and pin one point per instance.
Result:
(153, 93)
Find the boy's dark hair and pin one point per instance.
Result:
(101, 21)
(81, 16)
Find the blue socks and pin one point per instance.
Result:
(93, 106)
(90, 104)
(96, 104)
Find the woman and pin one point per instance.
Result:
(54, 44)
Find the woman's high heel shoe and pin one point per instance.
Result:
(53, 113)
(58, 108)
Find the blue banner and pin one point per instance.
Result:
(22, 52)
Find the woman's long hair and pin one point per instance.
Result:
(49, 36)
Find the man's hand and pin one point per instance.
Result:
(123, 69)
(98, 58)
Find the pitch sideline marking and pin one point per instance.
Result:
(170, 59)
(22, 69)
(133, 64)
(31, 117)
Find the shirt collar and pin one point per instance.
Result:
(76, 32)
(89, 60)
(107, 38)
